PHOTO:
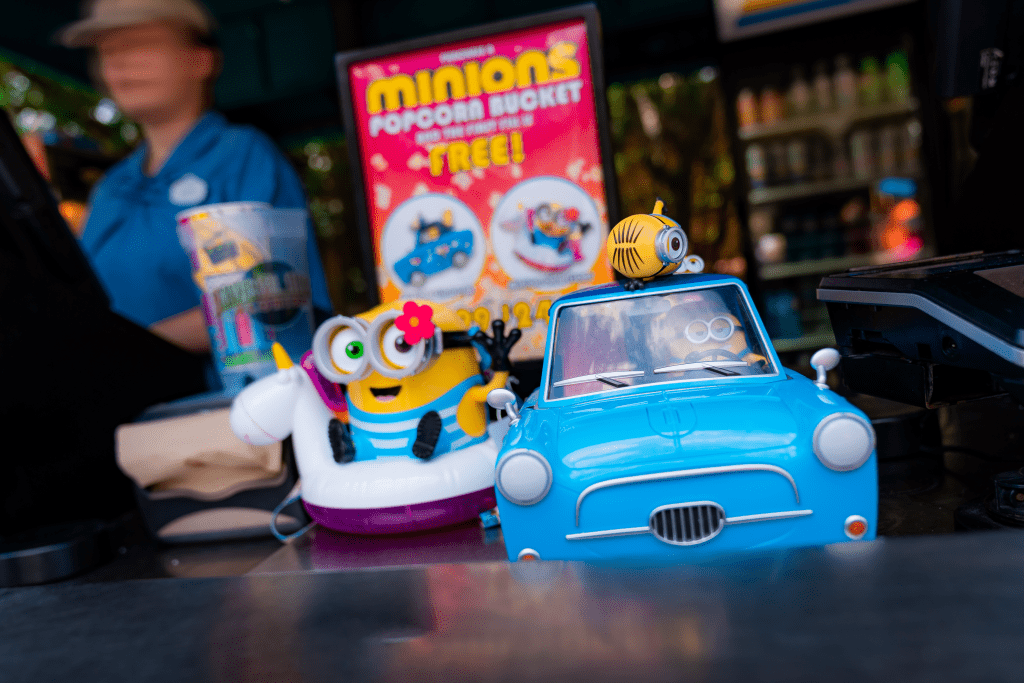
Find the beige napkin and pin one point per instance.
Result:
(196, 455)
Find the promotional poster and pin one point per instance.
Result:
(482, 171)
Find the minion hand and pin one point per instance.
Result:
(499, 345)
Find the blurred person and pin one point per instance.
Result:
(157, 61)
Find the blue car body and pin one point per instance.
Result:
(433, 257)
(680, 468)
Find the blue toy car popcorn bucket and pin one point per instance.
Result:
(249, 261)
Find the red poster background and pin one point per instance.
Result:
(560, 145)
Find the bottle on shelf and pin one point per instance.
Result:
(897, 76)
(832, 246)
(862, 154)
(746, 108)
(798, 159)
(789, 228)
(840, 163)
(812, 244)
(771, 248)
(870, 82)
(845, 83)
(887, 153)
(822, 87)
(772, 106)
(820, 162)
(760, 223)
(757, 166)
(911, 147)
(799, 95)
(778, 171)
(853, 217)
(783, 309)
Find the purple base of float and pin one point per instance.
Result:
(404, 518)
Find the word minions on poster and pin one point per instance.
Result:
(484, 168)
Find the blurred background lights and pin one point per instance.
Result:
(105, 112)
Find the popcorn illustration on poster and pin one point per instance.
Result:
(433, 245)
(547, 228)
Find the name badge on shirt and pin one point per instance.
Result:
(188, 190)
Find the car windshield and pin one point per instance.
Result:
(698, 334)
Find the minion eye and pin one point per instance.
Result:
(670, 245)
(721, 328)
(339, 349)
(347, 350)
(396, 350)
(676, 244)
(697, 332)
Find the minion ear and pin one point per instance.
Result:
(658, 206)
(446, 219)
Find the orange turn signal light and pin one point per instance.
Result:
(856, 526)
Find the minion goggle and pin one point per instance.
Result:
(719, 328)
(349, 349)
(670, 244)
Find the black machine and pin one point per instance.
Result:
(938, 332)
(73, 371)
(931, 332)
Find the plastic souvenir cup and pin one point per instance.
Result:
(249, 261)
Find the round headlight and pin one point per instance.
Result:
(523, 476)
(844, 441)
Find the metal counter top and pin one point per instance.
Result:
(931, 608)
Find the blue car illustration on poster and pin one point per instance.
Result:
(665, 428)
(438, 247)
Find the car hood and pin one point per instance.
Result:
(686, 427)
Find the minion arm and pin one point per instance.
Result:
(479, 394)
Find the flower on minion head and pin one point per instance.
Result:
(415, 322)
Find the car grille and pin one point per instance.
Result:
(687, 524)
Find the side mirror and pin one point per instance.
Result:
(822, 361)
(503, 399)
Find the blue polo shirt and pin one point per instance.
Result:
(130, 236)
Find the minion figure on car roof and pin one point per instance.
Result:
(646, 246)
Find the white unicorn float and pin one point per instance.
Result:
(409, 448)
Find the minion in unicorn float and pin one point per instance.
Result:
(406, 445)
(414, 382)
(645, 246)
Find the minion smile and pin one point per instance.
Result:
(386, 394)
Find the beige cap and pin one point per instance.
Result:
(102, 15)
